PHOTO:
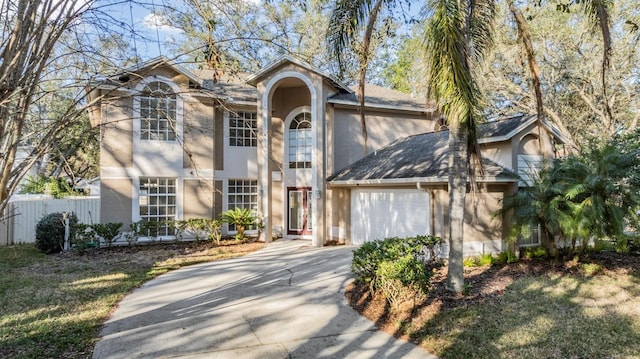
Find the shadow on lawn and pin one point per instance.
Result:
(542, 317)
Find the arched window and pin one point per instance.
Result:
(300, 141)
(157, 112)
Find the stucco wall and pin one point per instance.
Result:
(198, 199)
(500, 153)
(198, 144)
(382, 129)
(339, 214)
(218, 142)
(115, 201)
(480, 226)
(217, 199)
(116, 146)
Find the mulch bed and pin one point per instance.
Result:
(483, 283)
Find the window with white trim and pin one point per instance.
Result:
(242, 193)
(157, 199)
(300, 141)
(243, 129)
(157, 112)
(532, 239)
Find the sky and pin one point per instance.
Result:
(147, 24)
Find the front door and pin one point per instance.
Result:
(299, 205)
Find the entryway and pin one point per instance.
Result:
(299, 210)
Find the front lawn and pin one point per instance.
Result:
(531, 309)
(53, 306)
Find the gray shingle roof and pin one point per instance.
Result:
(376, 95)
(424, 157)
(503, 127)
(230, 87)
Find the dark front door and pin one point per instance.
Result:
(299, 205)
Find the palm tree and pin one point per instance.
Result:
(458, 34)
(588, 195)
(346, 19)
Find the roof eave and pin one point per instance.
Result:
(383, 107)
(406, 181)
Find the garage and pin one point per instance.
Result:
(382, 213)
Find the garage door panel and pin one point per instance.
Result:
(378, 214)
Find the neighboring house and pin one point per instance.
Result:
(288, 144)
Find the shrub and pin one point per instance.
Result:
(197, 226)
(410, 271)
(178, 226)
(83, 237)
(212, 228)
(533, 252)
(486, 260)
(430, 242)
(389, 283)
(135, 230)
(107, 231)
(471, 262)
(627, 243)
(368, 257)
(151, 229)
(241, 218)
(50, 232)
(392, 263)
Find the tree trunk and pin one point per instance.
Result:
(458, 176)
(525, 36)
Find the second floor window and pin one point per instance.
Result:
(300, 141)
(158, 112)
(243, 129)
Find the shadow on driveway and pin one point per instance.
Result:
(285, 301)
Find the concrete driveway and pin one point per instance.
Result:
(284, 301)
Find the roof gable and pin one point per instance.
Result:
(155, 63)
(284, 60)
(506, 129)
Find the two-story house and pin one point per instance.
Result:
(287, 142)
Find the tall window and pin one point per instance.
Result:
(300, 143)
(242, 129)
(157, 112)
(158, 201)
(243, 193)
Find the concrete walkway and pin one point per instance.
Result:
(284, 301)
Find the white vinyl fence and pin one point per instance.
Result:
(22, 215)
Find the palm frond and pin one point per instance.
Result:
(346, 21)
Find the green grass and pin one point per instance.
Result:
(542, 317)
(53, 306)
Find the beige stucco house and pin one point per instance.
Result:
(287, 142)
